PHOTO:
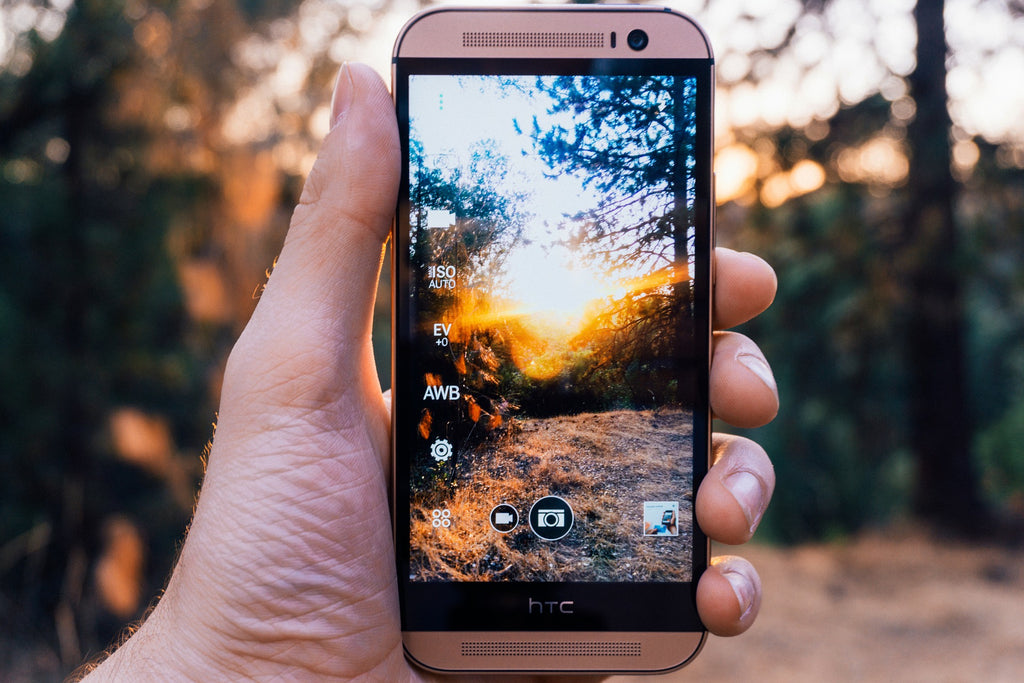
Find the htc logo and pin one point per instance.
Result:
(550, 606)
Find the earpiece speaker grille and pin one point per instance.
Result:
(528, 39)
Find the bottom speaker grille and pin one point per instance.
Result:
(520, 649)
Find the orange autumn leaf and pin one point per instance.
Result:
(474, 410)
(426, 422)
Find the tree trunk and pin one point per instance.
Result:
(940, 415)
(683, 216)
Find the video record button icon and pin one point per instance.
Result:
(504, 518)
(551, 518)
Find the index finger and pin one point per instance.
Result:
(744, 287)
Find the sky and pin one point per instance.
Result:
(450, 113)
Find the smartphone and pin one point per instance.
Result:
(552, 304)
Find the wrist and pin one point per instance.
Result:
(169, 644)
(178, 639)
(155, 650)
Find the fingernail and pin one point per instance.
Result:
(743, 588)
(748, 490)
(342, 97)
(759, 366)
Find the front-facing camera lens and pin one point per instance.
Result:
(637, 39)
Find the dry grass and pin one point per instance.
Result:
(605, 464)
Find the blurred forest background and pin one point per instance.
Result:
(151, 151)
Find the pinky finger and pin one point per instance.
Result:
(729, 596)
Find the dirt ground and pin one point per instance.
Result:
(884, 607)
(892, 607)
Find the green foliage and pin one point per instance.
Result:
(1000, 452)
(993, 213)
(836, 334)
(91, 321)
(838, 442)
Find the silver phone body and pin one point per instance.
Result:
(552, 33)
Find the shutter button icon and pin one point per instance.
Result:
(551, 518)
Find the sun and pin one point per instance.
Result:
(553, 287)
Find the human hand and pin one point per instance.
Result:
(288, 569)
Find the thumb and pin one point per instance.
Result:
(308, 342)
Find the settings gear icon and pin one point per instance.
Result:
(441, 450)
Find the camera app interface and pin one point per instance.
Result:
(551, 358)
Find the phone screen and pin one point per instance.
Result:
(551, 325)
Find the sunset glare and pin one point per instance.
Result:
(555, 286)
